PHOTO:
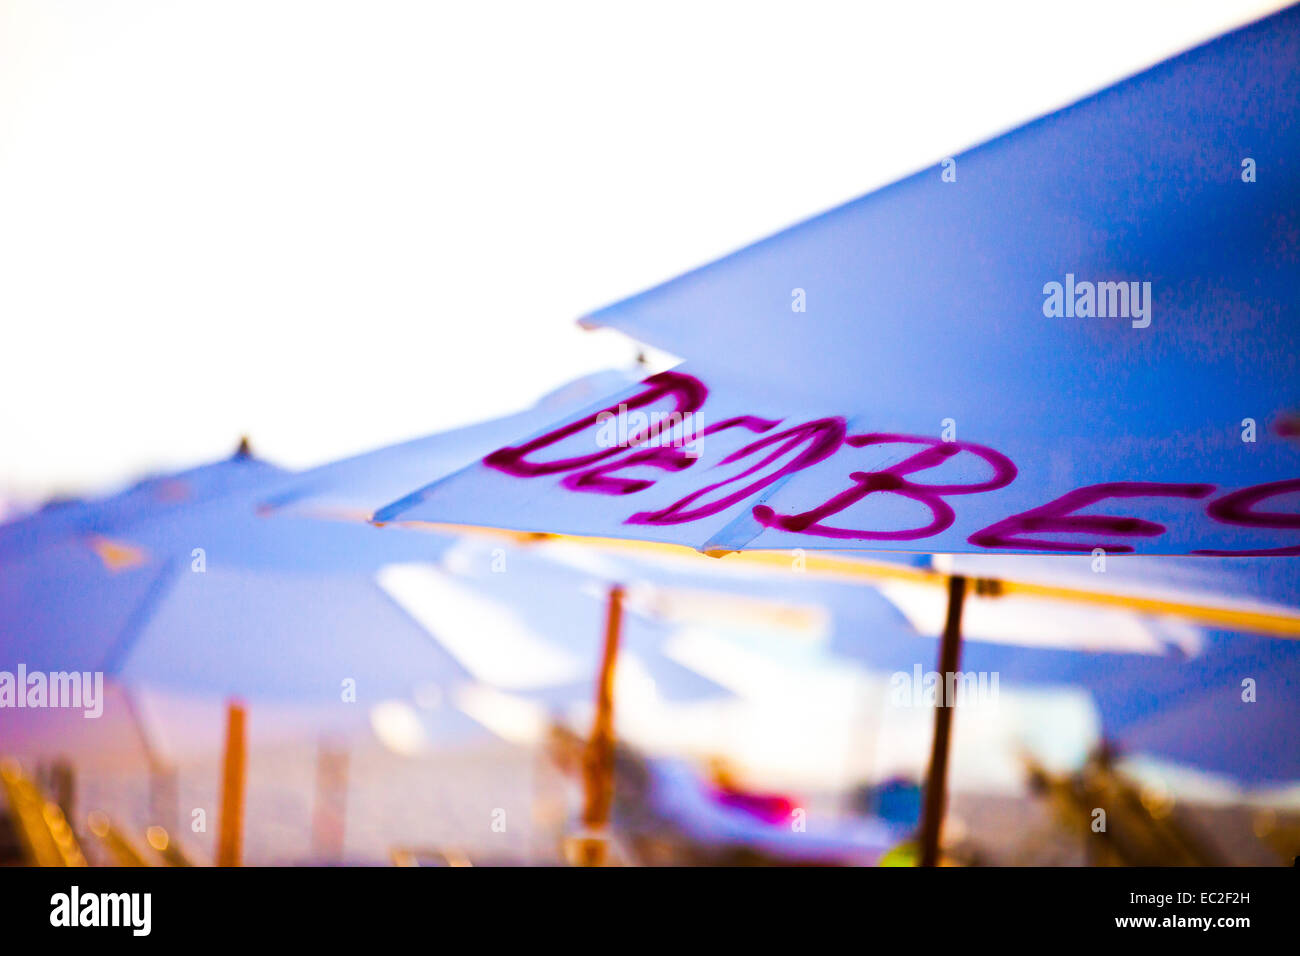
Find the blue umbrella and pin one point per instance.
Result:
(925, 401)
(156, 496)
(216, 599)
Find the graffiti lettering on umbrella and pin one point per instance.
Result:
(775, 455)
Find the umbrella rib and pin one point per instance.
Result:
(1278, 623)
(114, 656)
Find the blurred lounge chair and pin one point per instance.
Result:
(1139, 827)
(43, 833)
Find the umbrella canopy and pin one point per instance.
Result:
(929, 293)
(215, 599)
(759, 477)
(156, 496)
(527, 620)
(1084, 340)
(1237, 720)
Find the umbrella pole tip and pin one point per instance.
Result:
(245, 448)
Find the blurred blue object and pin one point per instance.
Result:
(678, 796)
(1234, 713)
(887, 375)
(896, 801)
(158, 496)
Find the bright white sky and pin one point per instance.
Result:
(337, 225)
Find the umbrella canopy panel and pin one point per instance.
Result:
(1086, 338)
(731, 466)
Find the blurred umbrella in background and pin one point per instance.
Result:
(1067, 275)
(1231, 688)
(207, 598)
(156, 496)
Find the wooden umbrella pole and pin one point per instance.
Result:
(598, 761)
(949, 659)
(230, 833)
(329, 813)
